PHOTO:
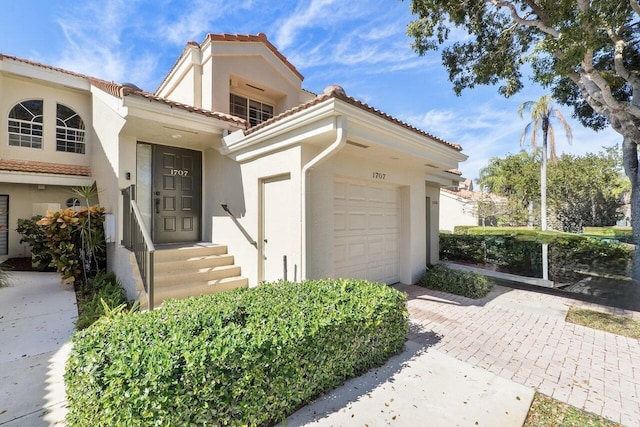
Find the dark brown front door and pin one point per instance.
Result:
(177, 194)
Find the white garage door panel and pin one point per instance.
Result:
(366, 231)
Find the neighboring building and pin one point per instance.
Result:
(460, 205)
(231, 150)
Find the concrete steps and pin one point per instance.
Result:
(182, 271)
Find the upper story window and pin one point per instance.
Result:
(255, 112)
(70, 131)
(25, 124)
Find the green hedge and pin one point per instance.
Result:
(245, 357)
(468, 284)
(516, 254)
(623, 234)
(520, 252)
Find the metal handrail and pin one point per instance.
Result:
(137, 238)
(240, 227)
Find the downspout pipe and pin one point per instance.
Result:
(340, 141)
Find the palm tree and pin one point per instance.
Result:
(542, 112)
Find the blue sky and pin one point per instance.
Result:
(360, 45)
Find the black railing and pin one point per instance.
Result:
(137, 238)
(240, 227)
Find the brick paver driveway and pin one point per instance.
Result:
(522, 336)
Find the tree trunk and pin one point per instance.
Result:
(630, 161)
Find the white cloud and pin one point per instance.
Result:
(316, 13)
(383, 33)
(197, 17)
(437, 122)
(94, 47)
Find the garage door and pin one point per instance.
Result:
(366, 231)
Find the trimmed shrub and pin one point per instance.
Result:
(520, 252)
(465, 283)
(516, 254)
(103, 287)
(245, 357)
(623, 234)
(35, 237)
(570, 257)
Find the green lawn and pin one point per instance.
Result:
(607, 322)
(548, 412)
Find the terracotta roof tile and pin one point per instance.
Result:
(338, 95)
(455, 172)
(121, 91)
(44, 167)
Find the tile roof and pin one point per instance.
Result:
(44, 167)
(120, 90)
(339, 94)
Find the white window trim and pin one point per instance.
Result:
(26, 140)
(248, 108)
(70, 136)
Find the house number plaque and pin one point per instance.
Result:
(179, 172)
(379, 175)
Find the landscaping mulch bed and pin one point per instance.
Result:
(21, 264)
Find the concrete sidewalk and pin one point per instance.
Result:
(421, 387)
(37, 314)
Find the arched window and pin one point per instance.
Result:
(25, 124)
(70, 131)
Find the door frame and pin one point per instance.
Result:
(151, 200)
(6, 229)
(261, 218)
(427, 234)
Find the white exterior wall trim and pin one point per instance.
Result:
(398, 137)
(44, 178)
(29, 71)
(145, 109)
(236, 142)
(333, 148)
(444, 178)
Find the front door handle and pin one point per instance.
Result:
(157, 205)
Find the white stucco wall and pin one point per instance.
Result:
(238, 186)
(22, 198)
(185, 82)
(110, 151)
(16, 90)
(455, 211)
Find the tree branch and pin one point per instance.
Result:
(618, 60)
(526, 22)
(537, 10)
(635, 6)
(603, 94)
